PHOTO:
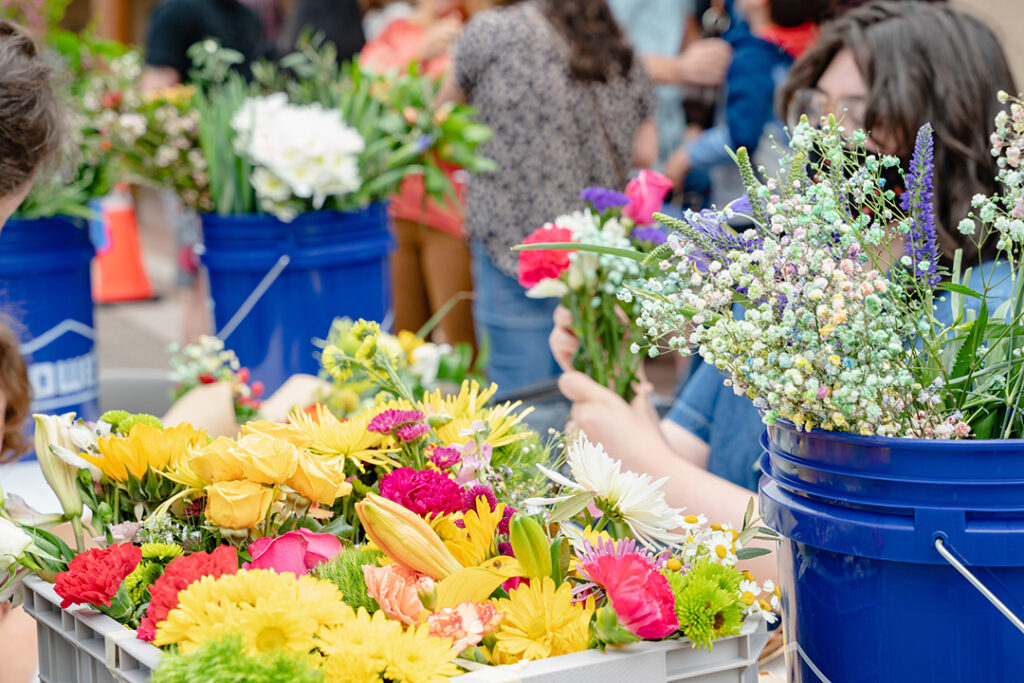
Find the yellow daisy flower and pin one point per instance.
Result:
(541, 621)
(418, 657)
(145, 448)
(275, 625)
(347, 438)
(357, 649)
(469, 406)
(474, 543)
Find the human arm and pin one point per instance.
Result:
(703, 62)
(155, 78)
(709, 149)
(632, 434)
(645, 144)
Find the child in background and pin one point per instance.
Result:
(31, 134)
(777, 32)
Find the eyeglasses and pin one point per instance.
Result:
(851, 110)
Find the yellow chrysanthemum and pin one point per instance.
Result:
(418, 657)
(347, 438)
(473, 543)
(274, 625)
(469, 406)
(409, 343)
(259, 599)
(367, 648)
(541, 621)
(146, 447)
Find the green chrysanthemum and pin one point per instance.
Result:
(115, 417)
(225, 661)
(346, 572)
(145, 575)
(125, 425)
(707, 602)
(161, 552)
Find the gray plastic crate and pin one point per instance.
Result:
(731, 660)
(83, 646)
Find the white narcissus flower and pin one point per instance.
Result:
(636, 498)
(13, 542)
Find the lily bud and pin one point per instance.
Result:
(403, 536)
(59, 474)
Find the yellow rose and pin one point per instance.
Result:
(237, 504)
(217, 461)
(320, 481)
(277, 430)
(266, 460)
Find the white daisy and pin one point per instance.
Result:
(636, 498)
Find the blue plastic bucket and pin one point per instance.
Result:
(45, 292)
(276, 286)
(866, 594)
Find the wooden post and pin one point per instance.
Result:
(112, 19)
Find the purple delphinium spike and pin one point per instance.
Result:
(917, 201)
(603, 199)
(649, 233)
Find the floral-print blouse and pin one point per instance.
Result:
(548, 143)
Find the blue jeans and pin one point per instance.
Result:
(515, 327)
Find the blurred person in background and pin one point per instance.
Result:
(33, 127)
(655, 27)
(430, 266)
(176, 25)
(269, 12)
(338, 21)
(775, 33)
(570, 106)
(377, 14)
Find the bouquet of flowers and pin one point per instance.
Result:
(206, 362)
(588, 282)
(423, 366)
(306, 135)
(849, 320)
(464, 546)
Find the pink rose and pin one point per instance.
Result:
(297, 552)
(397, 591)
(646, 194)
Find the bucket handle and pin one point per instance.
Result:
(940, 546)
(254, 296)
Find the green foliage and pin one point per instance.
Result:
(224, 661)
(708, 603)
(345, 571)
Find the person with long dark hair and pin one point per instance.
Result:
(888, 67)
(570, 106)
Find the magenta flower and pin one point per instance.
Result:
(409, 433)
(444, 457)
(424, 492)
(391, 420)
(476, 492)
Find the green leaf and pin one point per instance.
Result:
(590, 248)
(751, 553)
(571, 507)
(959, 289)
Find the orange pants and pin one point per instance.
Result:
(428, 268)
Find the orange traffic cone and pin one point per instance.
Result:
(119, 272)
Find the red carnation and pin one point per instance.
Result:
(181, 572)
(535, 266)
(94, 576)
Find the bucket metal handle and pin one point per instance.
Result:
(254, 296)
(940, 546)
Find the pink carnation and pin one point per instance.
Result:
(390, 420)
(444, 457)
(542, 264)
(640, 596)
(423, 491)
(466, 624)
(646, 194)
(480, 491)
(411, 432)
(397, 591)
